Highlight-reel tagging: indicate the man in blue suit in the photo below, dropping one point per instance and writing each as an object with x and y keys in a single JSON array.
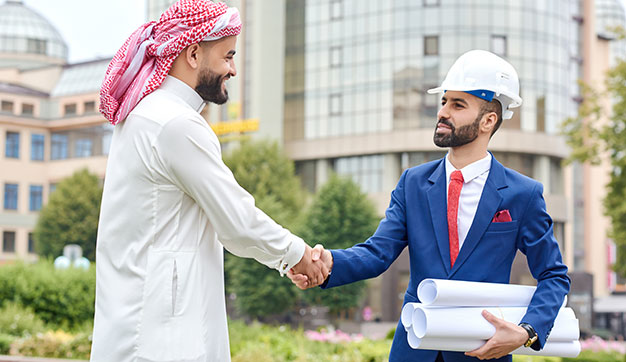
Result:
[{"x": 465, "y": 216}]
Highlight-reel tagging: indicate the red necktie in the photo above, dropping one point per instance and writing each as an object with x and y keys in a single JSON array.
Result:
[{"x": 454, "y": 191}]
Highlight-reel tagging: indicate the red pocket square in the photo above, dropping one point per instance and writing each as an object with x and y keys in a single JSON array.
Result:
[{"x": 502, "y": 216}]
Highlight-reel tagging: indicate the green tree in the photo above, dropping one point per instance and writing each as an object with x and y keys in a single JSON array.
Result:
[
  {"x": 590, "y": 138},
  {"x": 71, "y": 216},
  {"x": 340, "y": 216},
  {"x": 265, "y": 171}
]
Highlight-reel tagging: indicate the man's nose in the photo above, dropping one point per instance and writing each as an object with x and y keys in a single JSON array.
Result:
[
  {"x": 233, "y": 69},
  {"x": 443, "y": 112}
]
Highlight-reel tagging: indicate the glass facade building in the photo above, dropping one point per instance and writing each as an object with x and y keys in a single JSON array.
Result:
[{"x": 356, "y": 67}]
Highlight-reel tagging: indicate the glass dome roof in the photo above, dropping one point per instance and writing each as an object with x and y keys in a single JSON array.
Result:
[{"x": 24, "y": 31}]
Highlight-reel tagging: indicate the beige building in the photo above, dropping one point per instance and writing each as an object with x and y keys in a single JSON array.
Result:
[{"x": 49, "y": 122}]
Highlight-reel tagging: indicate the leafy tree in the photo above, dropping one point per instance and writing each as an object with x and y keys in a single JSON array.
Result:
[
  {"x": 590, "y": 139},
  {"x": 265, "y": 171},
  {"x": 340, "y": 216},
  {"x": 71, "y": 216}
]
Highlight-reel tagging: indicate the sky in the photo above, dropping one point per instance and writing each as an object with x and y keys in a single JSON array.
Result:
[
  {"x": 92, "y": 28},
  {"x": 95, "y": 28}
]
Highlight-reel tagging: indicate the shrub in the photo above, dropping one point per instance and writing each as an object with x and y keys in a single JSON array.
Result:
[
  {"x": 61, "y": 298},
  {"x": 56, "y": 344},
  {"x": 258, "y": 342},
  {"x": 18, "y": 321},
  {"x": 5, "y": 343}
]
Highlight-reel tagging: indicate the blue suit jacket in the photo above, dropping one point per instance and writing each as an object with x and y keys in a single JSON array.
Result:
[{"x": 417, "y": 218}]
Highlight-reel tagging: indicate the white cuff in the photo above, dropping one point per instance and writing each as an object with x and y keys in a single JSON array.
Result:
[{"x": 293, "y": 256}]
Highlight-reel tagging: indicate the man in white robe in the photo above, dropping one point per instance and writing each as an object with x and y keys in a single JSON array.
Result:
[{"x": 170, "y": 205}]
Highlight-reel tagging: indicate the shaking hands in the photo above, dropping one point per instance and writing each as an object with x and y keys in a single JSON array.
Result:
[{"x": 313, "y": 269}]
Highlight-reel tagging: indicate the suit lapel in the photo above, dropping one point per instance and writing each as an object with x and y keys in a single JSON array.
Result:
[
  {"x": 438, "y": 211},
  {"x": 490, "y": 201}
]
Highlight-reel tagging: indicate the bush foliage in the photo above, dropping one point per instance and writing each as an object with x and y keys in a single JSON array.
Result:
[{"x": 60, "y": 298}]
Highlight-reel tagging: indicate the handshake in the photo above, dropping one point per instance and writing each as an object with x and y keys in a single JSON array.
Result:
[{"x": 313, "y": 269}]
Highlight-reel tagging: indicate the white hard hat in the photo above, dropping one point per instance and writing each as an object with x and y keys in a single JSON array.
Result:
[{"x": 483, "y": 70}]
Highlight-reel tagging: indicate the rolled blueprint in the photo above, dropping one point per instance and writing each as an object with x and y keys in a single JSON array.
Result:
[
  {"x": 406, "y": 317},
  {"x": 468, "y": 322},
  {"x": 556, "y": 349},
  {"x": 459, "y": 293}
]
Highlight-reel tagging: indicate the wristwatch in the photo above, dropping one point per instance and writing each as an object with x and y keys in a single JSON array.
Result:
[{"x": 532, "y": 335}]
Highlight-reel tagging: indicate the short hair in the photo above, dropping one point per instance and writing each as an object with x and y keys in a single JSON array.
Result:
[{"x": 493, "y": 106}]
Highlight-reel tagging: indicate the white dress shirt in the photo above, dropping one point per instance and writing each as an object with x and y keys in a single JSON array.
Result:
[
  {"x": 474, "y": 178},
  {"x": 169, "y": 207}
]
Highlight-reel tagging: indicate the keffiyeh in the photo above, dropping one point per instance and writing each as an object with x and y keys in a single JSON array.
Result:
[{"x": 143, "y": 62}]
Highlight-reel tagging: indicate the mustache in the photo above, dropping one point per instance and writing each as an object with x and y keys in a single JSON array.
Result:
[{"x": 445, "y": 122}]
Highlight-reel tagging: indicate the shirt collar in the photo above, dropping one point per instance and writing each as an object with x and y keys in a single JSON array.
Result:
[
  {"x": 470, "y": 171},
  {"x": 183, "y": 91}
]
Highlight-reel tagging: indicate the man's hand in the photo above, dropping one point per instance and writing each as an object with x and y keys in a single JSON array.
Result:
[
  {"x": 508, "y": 337},
  {"x": 318, "y": 256},
  {"x": 310, "y": 267}
]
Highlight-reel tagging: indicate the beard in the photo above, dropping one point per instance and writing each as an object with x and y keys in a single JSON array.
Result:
[
  {"x": 457, "y": 137},
  {"x": 210, "y": 87}
]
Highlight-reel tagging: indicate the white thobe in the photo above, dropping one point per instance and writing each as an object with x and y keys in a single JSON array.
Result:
[{"x": 169, "y": 207}]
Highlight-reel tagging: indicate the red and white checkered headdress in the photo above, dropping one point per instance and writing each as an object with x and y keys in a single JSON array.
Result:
[{"x": 143, "y": 62}]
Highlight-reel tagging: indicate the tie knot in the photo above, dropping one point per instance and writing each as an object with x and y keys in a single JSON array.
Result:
[{"x": 456, "y": 176}]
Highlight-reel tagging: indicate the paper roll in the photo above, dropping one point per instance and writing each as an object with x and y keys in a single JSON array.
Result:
[
  {"x": 469, "y": 294},
  {"x": 555, "y": 349},
  {"x": 468, "y": 322},
  {"x": 460, "y": 293},
  {"x": 406, "y": 317}
]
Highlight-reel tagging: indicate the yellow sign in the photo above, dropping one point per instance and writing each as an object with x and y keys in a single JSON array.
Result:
[{"x": 246, "y": 125}]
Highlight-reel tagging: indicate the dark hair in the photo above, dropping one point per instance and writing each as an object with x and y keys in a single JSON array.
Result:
[{"x": 493, "y": 106}]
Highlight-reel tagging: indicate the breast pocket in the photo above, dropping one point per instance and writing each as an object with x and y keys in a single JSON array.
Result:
[
  {"x": 502, "y": 227},
  {"x": 499, "y": 238}
]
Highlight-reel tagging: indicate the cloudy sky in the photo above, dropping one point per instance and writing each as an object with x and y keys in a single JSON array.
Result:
[{"x": 92, "y": 28}]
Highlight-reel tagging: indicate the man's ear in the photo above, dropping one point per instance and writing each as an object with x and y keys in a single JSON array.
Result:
[
  {"x": 489, "y": 122},
  {"x": 192, "y": 55}
]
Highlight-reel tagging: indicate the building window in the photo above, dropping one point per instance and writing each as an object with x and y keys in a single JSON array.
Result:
[
  {"x": 10, "y": 196},
  {"x": 36, "y": 46},
  {"x": 557, "y": 185},
  {"x": 31, "y": 243},
  {"x": 83, "y": 147},
  {"x": 58, "y": 147},
  {"x": 335, "y": 57},
  {"x": 13, "y": 145},
  {"x": 430, "y": 100},
  {"x": 431, "y": 2},
  {"x": 90, "y": 107},
  {"x": 6, "y": 106},
  {"x": 498, "y": 45},
  {"x": 8, "y": 242},
  {"x": 366, "y": 171},
  {"x": 559, "y": 234},
  {"x": 28, "y": 109},
  {"x": 541, "y": 114},
  {"x": 431, "y": 45},
  {"x": 37, "y": 147},
  {"x": 335, "y": 104},
  {"x": 336, "y": 9},
  {"x": 69, "y": 109},
  {"x": 36, "y": 195}
]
